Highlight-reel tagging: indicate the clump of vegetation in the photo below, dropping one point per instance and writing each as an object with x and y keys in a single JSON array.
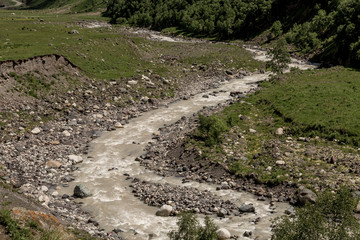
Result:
[
  {"x": 275, "y": 30},
  {"x": 280, "y": 57},
  {"x": 190, "y": 229},
  {"x": 202, "y": 17},
  {"x": 211, "y": 129},
  {"x": 331, "y": 217},
  {"x": 13, "y": 227}
]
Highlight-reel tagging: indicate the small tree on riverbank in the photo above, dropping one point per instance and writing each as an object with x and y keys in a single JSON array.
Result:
[
  {"x": 331, "y": 218},
  {"x": 280, "y": 57},
  {"x": 190, "y": 229}
]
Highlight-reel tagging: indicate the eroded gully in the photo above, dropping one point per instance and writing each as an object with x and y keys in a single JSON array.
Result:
[{"x": 113, "y": 204}]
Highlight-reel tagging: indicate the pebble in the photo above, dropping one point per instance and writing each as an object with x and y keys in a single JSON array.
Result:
[{"x": 36, "y": 131}]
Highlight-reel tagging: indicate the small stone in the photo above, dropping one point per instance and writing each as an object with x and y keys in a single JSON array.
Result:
[
  {"x": 76, "y": 159},
  {"x": 81, "y": 191},
  {"x": 36, "y": 131},
  {"x": 358, "y": 207},
  {"x": 73, "y": 32},
  {"x": 55, "y": 193},
  {"x": 223, "y": 234},
  {"x": 280, "y": 162},
  {"x": 53, "y": 164},
  {"x": 164, "y": 211},
  {"x": 247, "y": 208},
  {"x": 118, "y": 125},
  {"x": 279, "y": 131},
  {"x": 66, "y": 133},
  {"x": 247, "y": 234},
  {"x": 252, "y": 130},
  {"x": 44, "y": 188},
  {"x": 132, "y": 82}
]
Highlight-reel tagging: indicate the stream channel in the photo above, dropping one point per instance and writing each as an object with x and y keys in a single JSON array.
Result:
[{"x": 113, "y": 204}]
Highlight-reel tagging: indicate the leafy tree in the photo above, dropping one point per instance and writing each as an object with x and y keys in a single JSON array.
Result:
[
  {"x": 276, "y": 29},
  {"x": 330, "y": 218},
  {"x": 190, "y": 229},
  {"x": 280, "y": 57}
]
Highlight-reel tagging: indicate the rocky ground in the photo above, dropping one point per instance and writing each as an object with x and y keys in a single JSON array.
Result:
[
  {"x": 170, "y": 156},
  {"x": 304, "y": 162},
  {"x": 50, "y": 111}
]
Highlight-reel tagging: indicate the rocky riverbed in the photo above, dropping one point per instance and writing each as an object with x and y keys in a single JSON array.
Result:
[{"x": 44, "y": 139}]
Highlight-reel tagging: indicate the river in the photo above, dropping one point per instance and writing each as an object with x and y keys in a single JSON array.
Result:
[{"x": 113, "y": 204}]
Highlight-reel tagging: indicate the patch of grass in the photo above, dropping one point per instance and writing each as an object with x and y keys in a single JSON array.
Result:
[
  {"x": 317, "y": 103},
  {"x": 13, "y": 227}
]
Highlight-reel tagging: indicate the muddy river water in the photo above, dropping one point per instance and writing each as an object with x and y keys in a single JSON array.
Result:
[{"x": 113, "y": 204}]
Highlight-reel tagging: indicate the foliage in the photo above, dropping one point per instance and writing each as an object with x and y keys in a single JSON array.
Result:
[
  {"x": 190, "y": 229},
  {"x": 276, "y": 29},
  {"x": 331, "y": 218},
  {"x": 280, "y": 57},
  {"x": 13, "y": 227},
  {"x": 224, "y": 18},
  {"x": 211, "y": 129}
]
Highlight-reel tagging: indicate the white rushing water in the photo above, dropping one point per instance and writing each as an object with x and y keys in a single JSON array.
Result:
[{"x": 113, "y": 204}]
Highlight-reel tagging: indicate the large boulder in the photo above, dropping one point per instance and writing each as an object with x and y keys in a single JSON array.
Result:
[
  {"x": 223, "y": 234},
  {"x": 164, "y": 211},
  {"x": 81, "y": 191}
]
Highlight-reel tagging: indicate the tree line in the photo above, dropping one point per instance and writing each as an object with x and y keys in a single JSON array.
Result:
[{"x": 330, "y": 28}]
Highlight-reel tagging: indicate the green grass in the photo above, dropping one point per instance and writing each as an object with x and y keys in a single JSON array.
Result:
[
  {"x": 104, "y": 53},
  {"x": 317, "y": 102},
  {"x": 312, "y": 103}
]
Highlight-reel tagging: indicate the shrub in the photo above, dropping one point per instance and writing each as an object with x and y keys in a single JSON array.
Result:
[
  {"x": 330, "y": 218},
  {"x": 190, "y": 229},
  {"x": 211, "y": 128}
]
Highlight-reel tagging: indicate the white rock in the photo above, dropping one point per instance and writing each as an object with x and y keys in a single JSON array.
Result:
[
  {"x": 76, "y": 159},
  {"x": 55, "y": 193},
  {"x": 44, "y": 188},
  {"x": 118, "y": 125},
  {"x": 145, "y": 99},
  {"x": 132, "y": 82},
  {"x": 280, "y": 162},
  {"x": 223, "y": 234},
  {"x": 252, "y": 130},
  {"x": 145, "y": 78},
  {"x": 279, "y": 131},
  {"x": 36, "y": 131},
  {"x": 164, "y": 211},
  {"x": 43, "y": 198},
  {"x": 66, "y": 133}
]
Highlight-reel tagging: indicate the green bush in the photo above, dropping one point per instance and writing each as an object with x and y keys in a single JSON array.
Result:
[
  {"x": 330, "y": 218},
  {"x": 190, "y": 229},
  {"x": 211, "y": 129}
]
